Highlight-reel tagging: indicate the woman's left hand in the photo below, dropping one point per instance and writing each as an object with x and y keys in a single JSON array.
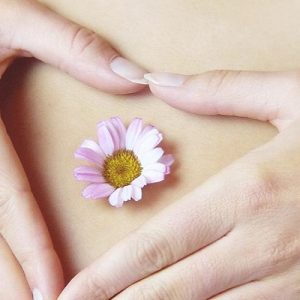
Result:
[
  {"x": 235, "y": 237},
  {"x": 29, "y": 265}
]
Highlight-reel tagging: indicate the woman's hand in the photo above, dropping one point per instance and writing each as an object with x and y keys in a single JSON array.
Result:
[
  {"x": 235, "y": 237},
  {"x": 28, "y": 261}
]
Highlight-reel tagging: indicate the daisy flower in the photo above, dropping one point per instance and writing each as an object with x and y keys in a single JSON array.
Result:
[{"x": 125, "y": 160}]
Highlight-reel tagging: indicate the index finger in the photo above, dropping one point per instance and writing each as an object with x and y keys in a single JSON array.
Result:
[
  {"x": 39, "y": 32},
  {"x": 191, "y": 224},
  {"x": 23, "y": 227},
  {"x": 13, "y": 284}
]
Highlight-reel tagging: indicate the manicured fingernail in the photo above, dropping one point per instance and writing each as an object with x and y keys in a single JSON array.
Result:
[
  {"x": 36, "y": 295},
  {"x": 128, "y": 70},
  {"x": 166, "y": 79}
]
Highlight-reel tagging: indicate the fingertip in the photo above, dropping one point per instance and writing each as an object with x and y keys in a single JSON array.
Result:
[
  {"x": 107, "y": 75},
  {"x": 76, "y": 50},
  {"x": 113, "y": 84},
  {"x": 164, "y": 79},
  {"x": 112, "y": 74},
  {"x": 44, "y": 275},
  {"x": 36, "y": 294},
  {"x": 167, "y": 86},
  {"x": 128, "y": 70},
  {"x": 173, "y": 96},
  {"x": 126, "y": 77}
]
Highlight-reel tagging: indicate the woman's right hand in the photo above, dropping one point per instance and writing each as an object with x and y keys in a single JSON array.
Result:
[
  {"x": 28, "y": 261},
  {"x": 237, "y": 235}
]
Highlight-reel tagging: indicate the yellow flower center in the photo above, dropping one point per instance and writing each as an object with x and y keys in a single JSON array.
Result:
[{"x": 121, "y": 168}]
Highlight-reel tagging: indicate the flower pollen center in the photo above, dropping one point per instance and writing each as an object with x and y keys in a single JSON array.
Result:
[{"x": 121, "y": 168}]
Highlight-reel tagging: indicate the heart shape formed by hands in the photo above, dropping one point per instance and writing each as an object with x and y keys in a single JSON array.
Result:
[{"x": 236, "y": 236}]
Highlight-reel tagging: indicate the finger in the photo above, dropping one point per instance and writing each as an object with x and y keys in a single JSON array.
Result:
[
  {"x": 23, "y": 227},
  {"x": 256, "y": 290},
  {"x": 70, "y": 47},
  {"x": 13, "y": 283},
  {"x": 275, "y": 288},
  {"x": 185, "y": 227},
  {"x": 216, "y": 268},
  {"x": 199, "y": 276},
  {"x": 223, "y": 265},
  {"x": 266, "y": 96}
]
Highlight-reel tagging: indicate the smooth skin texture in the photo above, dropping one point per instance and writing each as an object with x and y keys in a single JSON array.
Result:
[
  {"x": 28, "y": 260},
  {"x": 237, "y": 235},
  {"x": 50, "y": 113}
]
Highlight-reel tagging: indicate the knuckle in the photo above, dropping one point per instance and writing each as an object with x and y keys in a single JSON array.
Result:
[
  {"x": 209, "y": 267},
  {"x": 97, "y": 287},
  {"x": 82, "y": 45},
  {"x": 9, "y": 201},
  {"x": 27, "y": 257},
  {"x": 83, "y": 39},
  {"x": 217, "y": 80},
  {"x": 260, "y": 187},
  {"x": 152, "y": 252},
  {"x": 283, "y": 250},
  {"x": 151, "y": 291},
  {"x": 277, "y": 248},
  {"x": 6, "y": 206},
  {"x": 276, "y": 255}
]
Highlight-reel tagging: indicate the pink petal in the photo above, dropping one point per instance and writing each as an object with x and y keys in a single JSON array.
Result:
[
  {"x": 153, "y": 176},
  {"x": 151, "y": 156},
  {"x": 148, "y": 130},
  {"x": 89, "y": 155},
  {"x": 88, "y": 174},
  {"x": 115, "y": 198},
  {"x": 97, "y": 190},
  {"x": 147, "y": 144},
  {"x": 105, "y": 140},
  {"x": 139, "y": 181},
  {"x": 167, "y": 159},
  {"x": 88, "y": 170},
  {"x": 136, "y": 193},
  {"x": 117, "y": 130},
  {"x": 158, "y": 167},
  {"x": 126, "y": 193},
  {"x": 121, "y": 129},
  {"x": 92, "y": 145},
  {"x": 133, "y": 132},
  {"x": 113, "y": 132}
]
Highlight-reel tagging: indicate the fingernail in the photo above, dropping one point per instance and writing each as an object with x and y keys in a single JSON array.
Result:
[
  {"x": 36, "y": 295},
  {"x": 166, "y": 79},
  {"x": 128, "y": 70}
]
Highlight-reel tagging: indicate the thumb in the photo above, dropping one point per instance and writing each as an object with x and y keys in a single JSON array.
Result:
[
  {"x": 37, "y": 31},
  {"x": 265, "y": 96}
]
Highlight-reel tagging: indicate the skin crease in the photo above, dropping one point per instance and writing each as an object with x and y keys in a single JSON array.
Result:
[{"x": 228, "y": 139}]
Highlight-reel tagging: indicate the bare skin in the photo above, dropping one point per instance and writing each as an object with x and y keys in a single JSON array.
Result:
[
  {"x": 29, "y": 262},
  {"x": 221, "y": 142}
]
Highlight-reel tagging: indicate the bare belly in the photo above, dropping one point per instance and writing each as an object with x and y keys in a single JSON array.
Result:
[{"x": 48, "y": 113}]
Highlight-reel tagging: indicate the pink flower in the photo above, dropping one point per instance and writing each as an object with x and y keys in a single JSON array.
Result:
[{"x": 125, "y": 160}]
